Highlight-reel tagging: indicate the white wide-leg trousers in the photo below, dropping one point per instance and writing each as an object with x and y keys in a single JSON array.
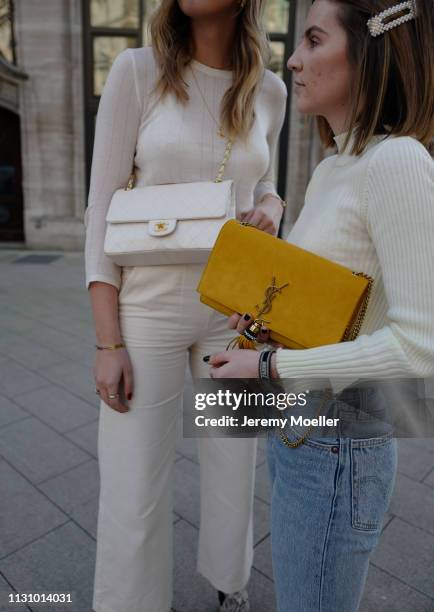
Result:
[{"x": 163, "y": 324}]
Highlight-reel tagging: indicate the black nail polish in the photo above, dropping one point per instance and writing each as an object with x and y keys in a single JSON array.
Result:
[
  {"x": 206, "y": 358},
  {"x": 247, "y": 317}
]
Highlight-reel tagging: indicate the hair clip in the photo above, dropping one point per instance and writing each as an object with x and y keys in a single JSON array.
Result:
[{"x": 377, "y": 25}]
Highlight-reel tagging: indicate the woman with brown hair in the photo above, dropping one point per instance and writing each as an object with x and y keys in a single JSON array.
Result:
[
  {"x": 365, "y": 68},
  {"x": 171, "y": 108}
]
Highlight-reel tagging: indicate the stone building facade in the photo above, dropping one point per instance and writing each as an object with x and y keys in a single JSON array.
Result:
[{"x": 54, "y": 56}]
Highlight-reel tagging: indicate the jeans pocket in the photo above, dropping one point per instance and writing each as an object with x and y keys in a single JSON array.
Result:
[{"x": 373, "y": 468}]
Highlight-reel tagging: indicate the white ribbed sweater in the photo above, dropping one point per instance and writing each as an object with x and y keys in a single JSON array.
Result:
[
  {"x": 375, "y": 214},
  {"x": 172, "y": 143}
]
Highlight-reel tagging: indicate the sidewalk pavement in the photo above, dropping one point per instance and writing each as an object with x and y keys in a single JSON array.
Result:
[{"x": 49, "y": 472}]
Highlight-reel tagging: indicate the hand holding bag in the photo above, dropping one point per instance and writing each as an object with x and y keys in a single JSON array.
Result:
[
  {"x": 168, "y": 224},
  {"x": 305, "y": 300}
]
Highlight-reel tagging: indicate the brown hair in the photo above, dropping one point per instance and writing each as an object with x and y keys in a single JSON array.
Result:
[
  {"x": 393, "y": 74},
  {"x": 171, "y": 42}
]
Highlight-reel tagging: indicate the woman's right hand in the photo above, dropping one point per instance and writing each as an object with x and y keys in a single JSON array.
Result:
[{"x": 113, "y": 373}]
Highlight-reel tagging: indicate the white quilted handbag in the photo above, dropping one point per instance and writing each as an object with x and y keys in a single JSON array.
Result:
[{"x": 168, "y": 224}]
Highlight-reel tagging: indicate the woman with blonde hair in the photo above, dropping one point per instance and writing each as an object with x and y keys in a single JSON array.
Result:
[
  {"x": 365, "y": 69},
  {"x": 171, "y": 109}
]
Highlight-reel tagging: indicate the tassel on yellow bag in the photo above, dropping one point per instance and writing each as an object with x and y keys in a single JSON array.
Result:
[{"x": 248, "y": 339}]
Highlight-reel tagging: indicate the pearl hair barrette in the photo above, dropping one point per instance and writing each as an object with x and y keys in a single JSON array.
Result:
[{"x": 377, "y": 25}]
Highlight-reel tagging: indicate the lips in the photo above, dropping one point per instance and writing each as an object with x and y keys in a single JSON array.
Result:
[{"x": 299, "y": 84}]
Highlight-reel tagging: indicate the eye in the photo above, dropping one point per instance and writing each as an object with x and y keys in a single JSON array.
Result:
[{"x": 313, "y": 41}]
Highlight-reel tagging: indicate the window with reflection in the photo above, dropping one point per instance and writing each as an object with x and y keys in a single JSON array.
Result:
[
  {"x": 105, "y": 49},
  {"x": 114, "y": 13},
  {"x": 277, "y": 15},
  {"x": 7, "y": 39},
  {"x": 277, "y": 18},
  {"x": 277, "y": 58}
]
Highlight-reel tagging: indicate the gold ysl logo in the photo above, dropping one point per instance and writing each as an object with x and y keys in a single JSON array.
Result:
[{"x": 270, "y": 294}]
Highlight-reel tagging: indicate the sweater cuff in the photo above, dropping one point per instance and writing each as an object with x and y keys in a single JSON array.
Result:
[{"x": 102, "y": 278}]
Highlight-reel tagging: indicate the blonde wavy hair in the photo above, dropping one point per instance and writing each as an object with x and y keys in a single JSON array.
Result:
[{"x": 172, "y": 44}]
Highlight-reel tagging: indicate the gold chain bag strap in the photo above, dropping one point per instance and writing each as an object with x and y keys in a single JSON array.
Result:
[
  {"x": 328, "y": 395},
  {"x": 219, "y": 178},
  {"x": 169, "y": 224}
]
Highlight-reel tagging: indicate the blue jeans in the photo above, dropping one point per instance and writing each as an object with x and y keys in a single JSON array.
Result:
[{"x": 328, "y": 501}]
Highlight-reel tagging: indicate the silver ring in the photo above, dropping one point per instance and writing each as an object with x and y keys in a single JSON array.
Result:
[{"x": 113, "y": 395}]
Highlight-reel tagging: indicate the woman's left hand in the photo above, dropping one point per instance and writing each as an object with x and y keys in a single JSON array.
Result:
[
  {"x": 266, "y": 215},
  {"x": 234, "y": 364}
]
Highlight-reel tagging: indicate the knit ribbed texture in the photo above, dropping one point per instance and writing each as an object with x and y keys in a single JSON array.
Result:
[
  {"x": 174, "y": 143},
  {"x": 375, "y": 214}
]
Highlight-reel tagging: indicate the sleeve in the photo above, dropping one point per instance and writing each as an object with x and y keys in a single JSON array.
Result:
[
  {"x": 116, "y": 131},
  {"x": 277, "y": 108},
  {"x": 400, "y": 220}
]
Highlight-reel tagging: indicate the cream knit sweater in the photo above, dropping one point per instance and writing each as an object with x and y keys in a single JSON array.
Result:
[
  {"x": 375, "y": 214},
  {"x": 172, "y": 143}
]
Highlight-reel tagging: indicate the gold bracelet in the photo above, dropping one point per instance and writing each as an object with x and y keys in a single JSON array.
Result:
[
  {"x": 110, "y": 347},
  {"x": 282, "y": 202}
]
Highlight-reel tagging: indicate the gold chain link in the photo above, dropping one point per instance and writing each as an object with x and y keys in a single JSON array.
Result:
[
  {"x": 225, "y": 160},
  {"x": 353, "y": 329},
  {"x": 303, "y": 438}
]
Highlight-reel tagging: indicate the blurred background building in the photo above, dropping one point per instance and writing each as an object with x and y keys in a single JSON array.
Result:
[{"x": 54, "y": 59}]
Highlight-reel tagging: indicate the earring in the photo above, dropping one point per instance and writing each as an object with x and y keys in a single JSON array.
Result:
[{"x": 243, "y": 3}]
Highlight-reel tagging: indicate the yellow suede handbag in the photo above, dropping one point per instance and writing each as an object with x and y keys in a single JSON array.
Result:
[{"x": 303, "y": 299}]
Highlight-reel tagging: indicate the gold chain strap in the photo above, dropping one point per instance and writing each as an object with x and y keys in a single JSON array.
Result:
[
  {"x": 225, "y": 160},
  {"x": 218, "y": 179},
  {"x": 303, "y": 438},
  {"x": 353, "y": 329}
]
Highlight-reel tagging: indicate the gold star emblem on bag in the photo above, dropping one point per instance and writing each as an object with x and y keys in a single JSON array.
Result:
[{"x": 160, "y": 227}]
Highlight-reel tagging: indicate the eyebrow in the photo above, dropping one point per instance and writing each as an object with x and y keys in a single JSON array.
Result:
[{"x": 313, "y": 29}]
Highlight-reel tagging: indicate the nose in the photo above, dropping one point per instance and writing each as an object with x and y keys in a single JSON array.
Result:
[{"x": 294, "y": 63}]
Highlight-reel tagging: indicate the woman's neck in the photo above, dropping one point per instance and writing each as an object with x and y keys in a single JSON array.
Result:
[
  {"x": 339, "y": 119},
  {"x": 213, "y": 40}
]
